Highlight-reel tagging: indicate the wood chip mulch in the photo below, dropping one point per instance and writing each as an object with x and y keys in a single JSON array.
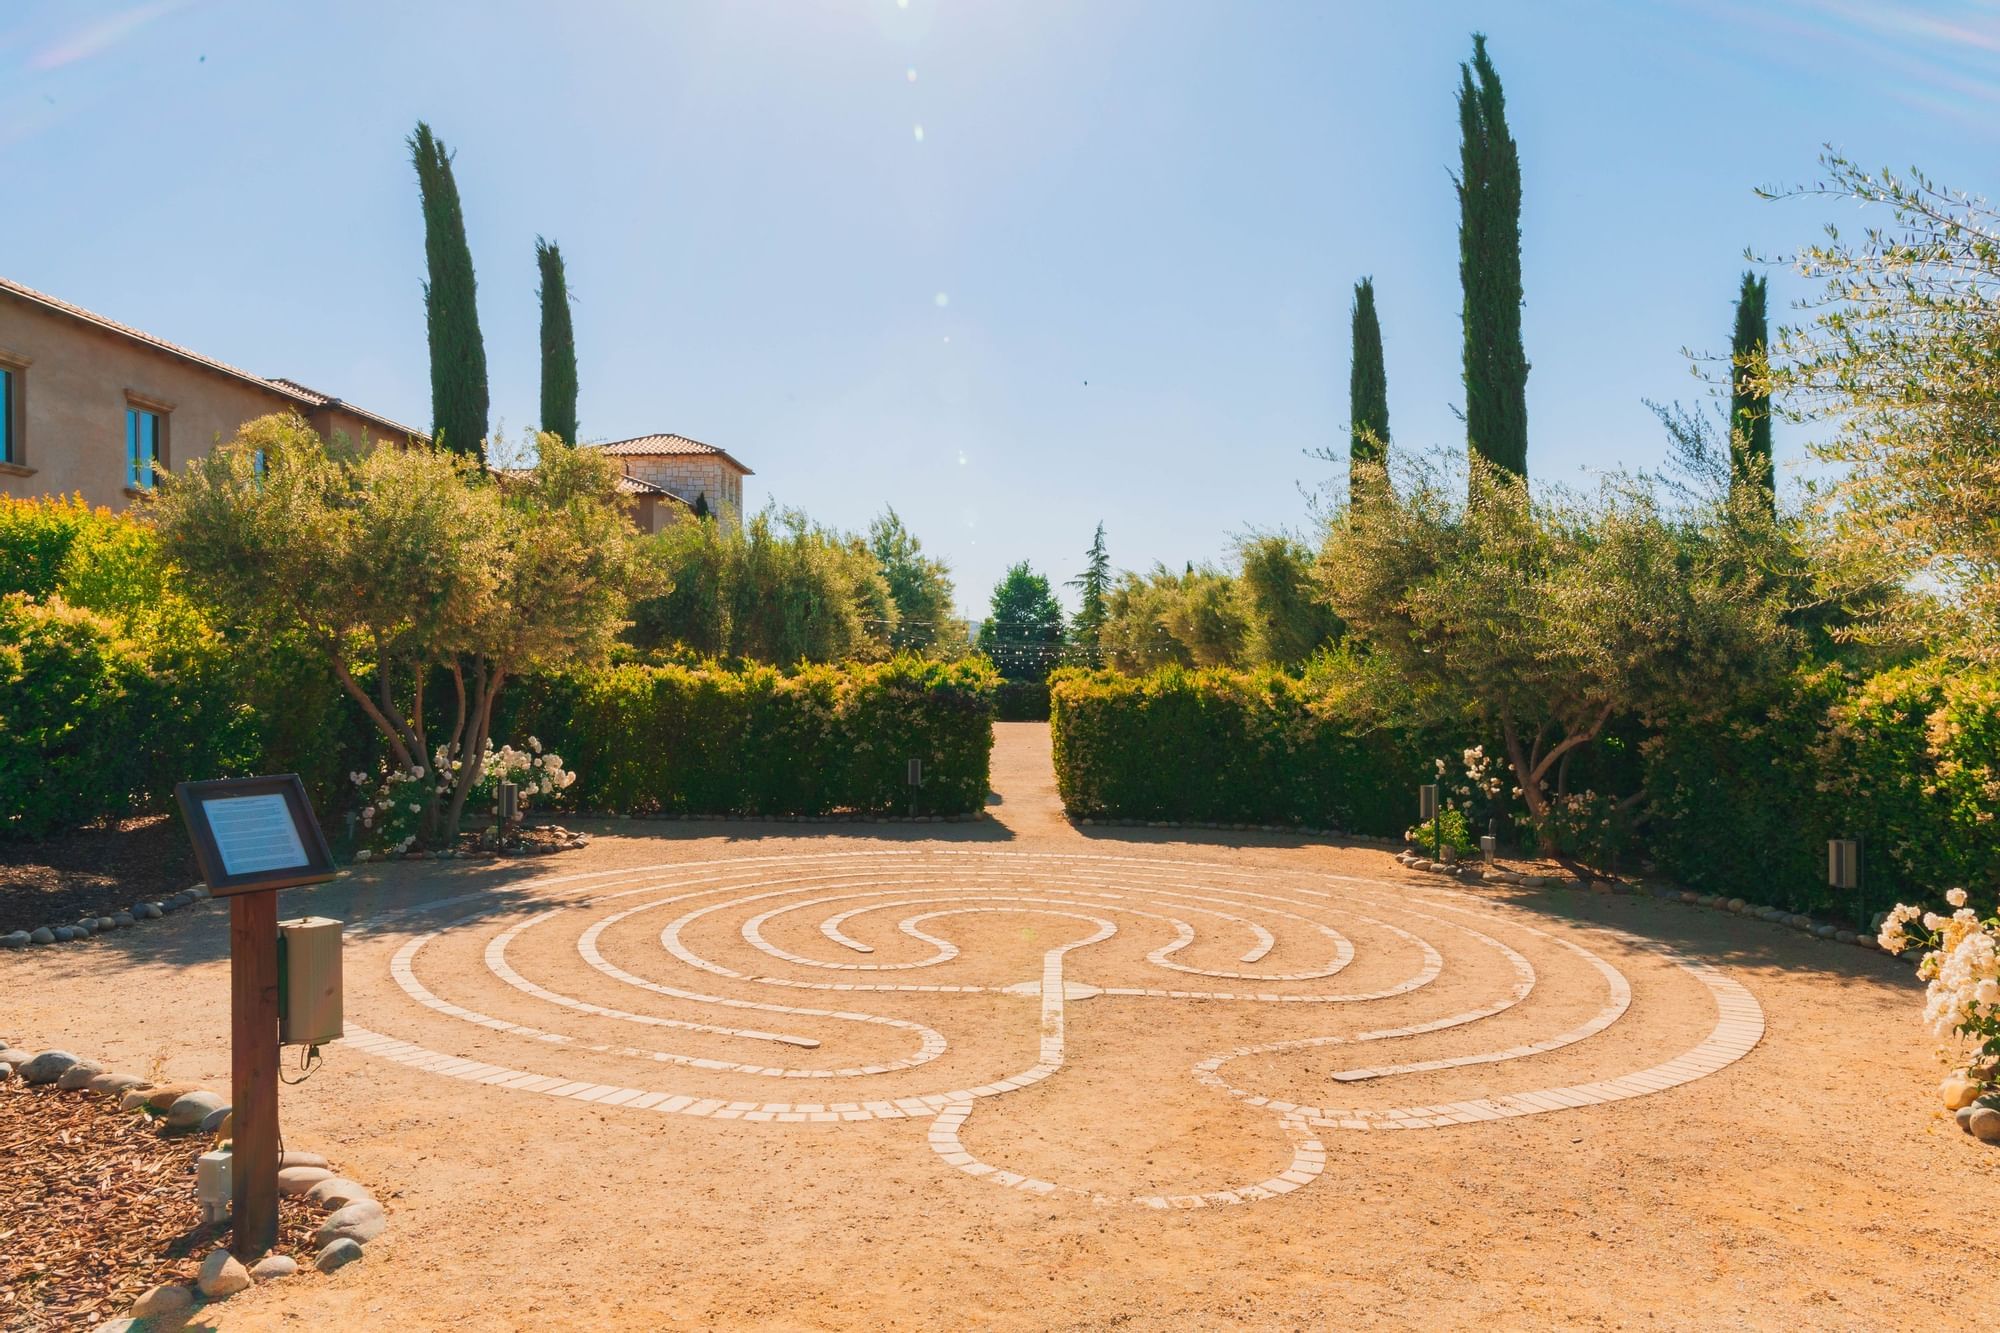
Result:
[
  {"x": 101, "y": 871},
  {"x": 96, "y": 1207}
]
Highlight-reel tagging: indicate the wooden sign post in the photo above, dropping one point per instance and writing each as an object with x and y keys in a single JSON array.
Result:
[{"x": 252, "y": 837}]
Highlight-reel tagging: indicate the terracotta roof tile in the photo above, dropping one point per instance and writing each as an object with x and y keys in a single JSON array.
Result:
[{"x": 667, "y": 445}]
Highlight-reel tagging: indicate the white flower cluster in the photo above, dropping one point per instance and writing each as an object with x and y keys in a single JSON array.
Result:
[
  {"x": 1483, "y": 773},
  {"x": 535, "y": 772},
  {"x": 387, "y": 805},
  {"x": 1961, "y": 962}
]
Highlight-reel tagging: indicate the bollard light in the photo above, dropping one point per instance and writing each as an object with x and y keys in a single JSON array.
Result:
[
  {"x": 1488, "y": 845},
  {"x": 510, "y": 803},
  {"x": 1843, "y": 863},
  {"x": 1427, "y": 801},
  {"x": 916, "y": 778},
  {"x": 212, "y": 1184}
]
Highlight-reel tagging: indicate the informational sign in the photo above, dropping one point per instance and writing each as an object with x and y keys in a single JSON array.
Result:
[{"x": 254, "y": 833}]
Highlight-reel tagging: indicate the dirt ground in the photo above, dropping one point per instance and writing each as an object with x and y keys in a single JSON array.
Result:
[{"x": 1802, "y": 1178}]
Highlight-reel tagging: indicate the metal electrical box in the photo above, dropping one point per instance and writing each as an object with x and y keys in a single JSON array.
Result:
[{"x": 309, "y": 1012}]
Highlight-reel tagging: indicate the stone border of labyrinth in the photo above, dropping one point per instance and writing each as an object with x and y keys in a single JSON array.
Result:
[
  {"x": 1799, "y": 921},
  {"x": 928, "y": 883}
]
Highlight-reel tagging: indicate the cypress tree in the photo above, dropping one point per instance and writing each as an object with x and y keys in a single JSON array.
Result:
[
  {"x": 1489, "y": 269},
  {"x": 558, "y": 345},
  {"x": 1367, "y": 392},
  {"x": 1749, "y": 406},
  {"x": 451, "y": 314}
]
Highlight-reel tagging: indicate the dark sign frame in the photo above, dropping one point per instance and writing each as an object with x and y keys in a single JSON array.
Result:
[{"x": 319, "y": 865}]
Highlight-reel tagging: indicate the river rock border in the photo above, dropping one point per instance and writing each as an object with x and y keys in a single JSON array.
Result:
[
  {"x": 84, "y": 928},
  {"x": 353, "y": 1217}
]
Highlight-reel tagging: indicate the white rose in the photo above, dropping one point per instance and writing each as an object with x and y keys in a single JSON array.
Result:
[{"x": 1956, "y": 897}]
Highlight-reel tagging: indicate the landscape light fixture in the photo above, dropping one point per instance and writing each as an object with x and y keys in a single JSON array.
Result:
[
  {"x": 1843, "y": 869},
  {"x": 1488, "y": 845},
  {"x": 510, "y": 804}
]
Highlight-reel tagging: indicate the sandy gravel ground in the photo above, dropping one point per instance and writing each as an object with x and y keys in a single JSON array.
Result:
[{"x": 1808, "y": 1183}]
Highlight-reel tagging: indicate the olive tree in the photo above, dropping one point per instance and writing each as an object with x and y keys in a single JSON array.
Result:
[
  {"x": 1544, "y": 618},
  {"x": 1901, "y": 351},
  {"x": 408, "y": 564}
]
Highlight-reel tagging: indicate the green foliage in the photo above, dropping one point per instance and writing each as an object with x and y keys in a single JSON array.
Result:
[
  {"x": 451, "y": 314},
  {"x": 1751, "y": 467},
  {"x": 782, "y": 590},
  {"x": 1907, "y": 760},
  {"x": 1489, "y": 270},
  {"x": 65, "y": 675},
  {"x": 1914, "y": 756},
  {"x": 1286, "y": 620},
  {"x": 706, "y": 740},
  {"x": 1086, "y": 631},
  {"x": 1546, "y": 619},
  {"x": 1022, "y": 701},
  {"x": 35, "y": 540},
  {"x": 1023, "y": 630},
  {"x": 1193, "y": 618},
  {"x": 1903, "y": 355},
  {"x": 1226, "y": 746},
  {"x": 1367, "y": 394},
  {"x": 558, "y": 345},
  {"x": 1450, "y": 828},
  {"x": 402, "y": 562},
  {"x": 926, "y": 617},
  {"x": 96, "y": 721}
]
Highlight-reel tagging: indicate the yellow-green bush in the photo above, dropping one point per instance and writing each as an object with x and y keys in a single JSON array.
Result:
[
  {"x": 1907, "y": 760},
  {"x": 1229, "y": 747},
  {"x": 708, "y": 740}
]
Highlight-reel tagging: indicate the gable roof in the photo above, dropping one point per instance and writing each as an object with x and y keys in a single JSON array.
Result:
[
  {"x": 283, "y": 388},
  {"x": 667, "y": 445}
]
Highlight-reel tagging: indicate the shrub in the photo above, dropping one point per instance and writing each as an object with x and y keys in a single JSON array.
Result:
[
  {"x": 1908, "y": 761},
  {"x": 35, "y": 540},
  {"x": 706, "y": 740},
  {"x": 1912, "y": 763},
  {"x": 1224, "y": 746},
  {"x": 1022, "y": 701},
  {"x": 1450, "y": 828},
  {"x": 65, "y": 681}
]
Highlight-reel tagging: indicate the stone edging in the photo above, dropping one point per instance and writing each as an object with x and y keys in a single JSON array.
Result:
[
  {"x": 96, "y": 925},
  {"x": 844, "y": 817},
  {"x": 1799, "y": 921},
  {"x": 353, "y": 1217}
]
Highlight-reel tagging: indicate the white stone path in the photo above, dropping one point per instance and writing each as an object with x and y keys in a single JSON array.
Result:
[{"x": 934, "y": 887}]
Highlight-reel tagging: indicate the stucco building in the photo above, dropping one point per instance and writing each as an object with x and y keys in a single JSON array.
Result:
[
  {"x": 93, "y": 407},
  {"x": 667, "y": 476}
]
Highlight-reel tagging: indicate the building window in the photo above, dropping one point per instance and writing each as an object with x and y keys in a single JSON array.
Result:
[
  {"x": 142, "y": 448},
  {"x": 9, "y": 449},
  {"x": 258, "y": 465}
]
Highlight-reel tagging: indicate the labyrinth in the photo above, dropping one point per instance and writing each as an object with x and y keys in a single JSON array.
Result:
[{"x": 1109, "y": 1029}]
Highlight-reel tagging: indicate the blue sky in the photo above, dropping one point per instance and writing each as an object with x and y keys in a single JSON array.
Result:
[{"x": 1011, "y": 267}]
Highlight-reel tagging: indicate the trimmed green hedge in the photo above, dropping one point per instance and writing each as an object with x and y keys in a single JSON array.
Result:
[
  {"x": 705, "y": 740},
  {"x": 96, "y": 721},
  {"x": 1907, "y": 760},
  {"x": 1022, "y": 701},
  {"x": 1225, "y": 746}
]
